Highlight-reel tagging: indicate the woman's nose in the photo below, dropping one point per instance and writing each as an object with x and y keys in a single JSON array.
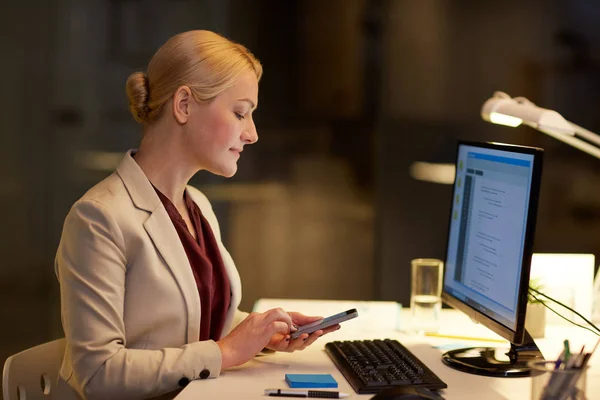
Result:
[{"x": 250, "y": 135}]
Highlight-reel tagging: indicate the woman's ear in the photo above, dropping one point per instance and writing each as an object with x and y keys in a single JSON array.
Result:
[{"x": 181, "y": 104}]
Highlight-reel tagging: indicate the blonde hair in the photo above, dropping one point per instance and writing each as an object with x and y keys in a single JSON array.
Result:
[{"x": 204, "y": 61}]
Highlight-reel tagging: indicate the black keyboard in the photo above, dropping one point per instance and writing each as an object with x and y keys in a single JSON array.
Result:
[{"x": 373, "y": 365}]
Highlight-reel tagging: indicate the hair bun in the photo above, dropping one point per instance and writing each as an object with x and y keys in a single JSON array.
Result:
[{"x": 138, "y": 92}]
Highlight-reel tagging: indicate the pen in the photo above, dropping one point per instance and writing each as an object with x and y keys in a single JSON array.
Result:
[
  {"x": 463, "y": 337},
  {"x": 323, "y": 394},
  {"x": 559, "y": 361},
  {"x": 567, "y": 351},
  {"x": 576, "y": 359}
]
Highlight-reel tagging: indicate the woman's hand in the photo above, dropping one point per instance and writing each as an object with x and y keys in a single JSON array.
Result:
[
  {"x": 252, "y": 335},
  {"x": 281, "y": 342}
]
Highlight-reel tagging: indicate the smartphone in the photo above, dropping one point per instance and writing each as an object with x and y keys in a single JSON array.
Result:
[{"x": 325, "y": 323}]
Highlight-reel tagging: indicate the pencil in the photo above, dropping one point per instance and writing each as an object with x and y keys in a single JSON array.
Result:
[{"x": 439, "y": 335}]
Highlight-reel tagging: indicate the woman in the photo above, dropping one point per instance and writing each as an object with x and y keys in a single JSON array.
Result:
[{"x": 149, "y": 293}]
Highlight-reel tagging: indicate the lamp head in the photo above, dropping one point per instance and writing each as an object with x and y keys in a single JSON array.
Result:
[{"x": 504, "y": 110}]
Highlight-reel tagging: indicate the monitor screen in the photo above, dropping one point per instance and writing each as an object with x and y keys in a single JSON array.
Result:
[{"x": 491, "y": 230}]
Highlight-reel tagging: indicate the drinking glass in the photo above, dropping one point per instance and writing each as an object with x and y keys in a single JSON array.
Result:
[{"x": 425, "y": 295}]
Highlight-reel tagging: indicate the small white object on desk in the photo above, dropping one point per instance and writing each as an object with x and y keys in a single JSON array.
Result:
[{"x": 569, "y": 279}]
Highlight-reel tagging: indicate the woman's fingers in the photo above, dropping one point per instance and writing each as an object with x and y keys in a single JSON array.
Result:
[
  {"x": 278, "y": 314},
  {"x": 301, "y": 319},
  {"x": 331, "y": 329},
  {"x": 304, "y": 341},
  {"x": 253, "y": 334},
  {"x": 297, "y": 344},
  {"x": 282, "y": 323},
  {"x": 279, "y": 327},
  {"x": 311, "y": 339}
]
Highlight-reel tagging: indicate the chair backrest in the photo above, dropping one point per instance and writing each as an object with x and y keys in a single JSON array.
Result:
[{"x": 33, "y": 373}]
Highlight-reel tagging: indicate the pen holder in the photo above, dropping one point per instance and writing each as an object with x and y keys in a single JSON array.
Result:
[{"x": 549, "y": 383}]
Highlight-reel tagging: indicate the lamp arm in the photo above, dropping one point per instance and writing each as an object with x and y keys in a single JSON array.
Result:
[
  {"x": 582, "y": 145},
  {"x": 587, "y": 135}
]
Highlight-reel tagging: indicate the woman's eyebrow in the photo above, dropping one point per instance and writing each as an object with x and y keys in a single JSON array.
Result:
[{"x": 250, "y": 102}]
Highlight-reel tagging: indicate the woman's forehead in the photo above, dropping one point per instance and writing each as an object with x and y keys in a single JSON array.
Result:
[{"x": 245, "y": 87}]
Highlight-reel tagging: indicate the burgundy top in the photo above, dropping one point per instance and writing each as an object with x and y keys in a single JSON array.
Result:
[{"x": 207, "y": 266}]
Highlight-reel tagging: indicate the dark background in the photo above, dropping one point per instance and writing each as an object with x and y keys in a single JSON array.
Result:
[{"x": 354, "y": 92}]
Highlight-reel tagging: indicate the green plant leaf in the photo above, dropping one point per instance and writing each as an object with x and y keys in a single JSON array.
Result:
[{"x": 535, "y": 284}]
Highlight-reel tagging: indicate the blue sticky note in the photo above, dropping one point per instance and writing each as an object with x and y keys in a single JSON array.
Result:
[{"x": 311, "y": 381}]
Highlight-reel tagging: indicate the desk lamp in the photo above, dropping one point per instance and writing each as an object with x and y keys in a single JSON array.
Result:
[{"x": 504, "y": 110}]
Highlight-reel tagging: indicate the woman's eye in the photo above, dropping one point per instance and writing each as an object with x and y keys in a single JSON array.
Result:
[{"x": 239, "y": 116}]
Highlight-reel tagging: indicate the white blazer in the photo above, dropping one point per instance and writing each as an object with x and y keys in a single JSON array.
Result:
[{"x": 129, "y": 302}]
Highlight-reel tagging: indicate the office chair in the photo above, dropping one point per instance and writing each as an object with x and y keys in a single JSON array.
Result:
[{"x": 33, "y": 373}]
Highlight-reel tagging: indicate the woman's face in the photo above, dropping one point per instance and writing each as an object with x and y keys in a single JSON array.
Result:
[{"x": 216, "y": 133}]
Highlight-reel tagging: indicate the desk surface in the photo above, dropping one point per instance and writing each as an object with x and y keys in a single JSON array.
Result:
[{"x": 251, "y": 379}]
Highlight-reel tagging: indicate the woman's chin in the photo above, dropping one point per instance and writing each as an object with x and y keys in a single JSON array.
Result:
[{"x": 226, "y": 172}]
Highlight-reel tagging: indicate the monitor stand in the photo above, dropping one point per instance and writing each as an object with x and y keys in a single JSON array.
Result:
[{"x": 491, "y": 361}]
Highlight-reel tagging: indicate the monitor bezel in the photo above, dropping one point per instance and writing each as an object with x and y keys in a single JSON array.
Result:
[{"x": 514, "y": 336}]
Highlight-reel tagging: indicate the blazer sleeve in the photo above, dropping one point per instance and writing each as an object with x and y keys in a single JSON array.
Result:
[{"x": 91, "y": 267}]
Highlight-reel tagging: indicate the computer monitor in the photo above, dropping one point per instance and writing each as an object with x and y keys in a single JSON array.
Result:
[{"x": 488, "y": 257}]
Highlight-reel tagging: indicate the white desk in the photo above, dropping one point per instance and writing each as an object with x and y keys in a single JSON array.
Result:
[{"x": 249, "y": 380}]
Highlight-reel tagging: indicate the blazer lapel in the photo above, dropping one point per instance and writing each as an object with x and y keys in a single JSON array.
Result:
[{"x": 165, "y": 238}]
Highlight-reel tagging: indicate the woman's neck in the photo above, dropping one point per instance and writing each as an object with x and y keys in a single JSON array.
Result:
[{"x": 161, "y": 160}]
